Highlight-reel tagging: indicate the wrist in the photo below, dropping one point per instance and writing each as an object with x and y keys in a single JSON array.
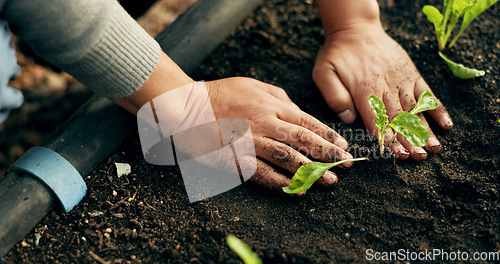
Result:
[
  {"x": 355, "y": 31},
  {"x": 165, "y": 77},
  {"x": 348, "y": 15}
]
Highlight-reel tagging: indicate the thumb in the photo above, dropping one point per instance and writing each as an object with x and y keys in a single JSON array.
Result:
[{"x": 335, "y": 93}]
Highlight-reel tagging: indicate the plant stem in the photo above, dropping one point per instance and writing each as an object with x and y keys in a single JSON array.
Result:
[
  {"x": 381, "y": 135},
  {"x": 392, "y": 139},
  {"x": 446, "y": 13},
  {"x": 449, "y": 29},
  {"x": 381, "y": 144},
  {"x": 344, "y": 161}
]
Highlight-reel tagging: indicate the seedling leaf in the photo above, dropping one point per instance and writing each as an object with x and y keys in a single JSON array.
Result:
[
  {"x": 471, "y": 14},
  {"x": 434, "y": 16},
  {"x": 425, "y": 102},
  {"x": 459, "y": 70},
  {"x": 459, "y": 7},
  {"x": 378, "y": 108},
  {"x": 309, "y": 173},
  {"x": 242, "y": 250},
  {"x": 475, "y": 11},
  {"x": 411, "y": 127}
]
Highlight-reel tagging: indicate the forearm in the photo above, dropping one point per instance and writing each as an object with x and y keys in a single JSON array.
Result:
[
  {"x": 165, "y": 77},
  {"x": 96, "y": 41},
  {"x": 338, "y": 15}
]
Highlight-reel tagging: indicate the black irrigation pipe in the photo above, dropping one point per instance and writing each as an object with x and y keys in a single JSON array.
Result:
[{"x": 99, "y": 127}]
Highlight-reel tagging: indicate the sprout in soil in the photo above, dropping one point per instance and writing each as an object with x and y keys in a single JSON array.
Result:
[
  {"x": 242, "y": 250},
  {"x": 444, "y": 24},
  {"x": 407, "y": 124},
  {"x": 309, "y": 173}
]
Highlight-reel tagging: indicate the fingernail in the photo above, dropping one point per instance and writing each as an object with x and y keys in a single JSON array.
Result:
[
  {"x": 420, "y": 150},
  {"x": 448, "y": 124},
  {"x": 419, "y": 154},
  {"x": 347, "y": 116},
  {"x": 342, "y": 143},
  {"x": 403, "y": 150},
  {"x": 329, "y": 177},
  {"x": 433, "y": 145},
  {"x": 403, "y": 153},
  {"x": 433, "y": 142},
  {"x": 346, "y": 156},
  {"x": 301, "y": 193}
]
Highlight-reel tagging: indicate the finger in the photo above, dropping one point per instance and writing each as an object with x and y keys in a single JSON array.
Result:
[
  {"x": 334, "y": 91},
  {"x": 268, "y": 177},
  {"x": 275, "y": 91},
  {"x": 366, "y": 112},
  {"x": 440, "y": 114},
  {"x": 310, "y": 143},
  {"x": 392, "y": 104},
  {"x": 288, "y": 158},
  {"x": 407, "y": 100},
  {"x": 302, "y": 119},
  {"x": 433, "y": 145},
  {"x": 396, "y": 146}
]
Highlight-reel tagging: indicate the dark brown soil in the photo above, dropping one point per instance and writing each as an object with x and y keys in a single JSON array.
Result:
[{"x": 449, "y": 202}]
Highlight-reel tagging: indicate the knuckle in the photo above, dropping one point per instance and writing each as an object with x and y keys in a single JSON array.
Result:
[
  {"x": 304, "y": 120},
  {"x": 282, "y": 92},
  {"x": 302, "y": 136},
  {"x": 282, "y": 154},
  {"x": 262, "y": 172},
  {"x": 319, "y": 72}
]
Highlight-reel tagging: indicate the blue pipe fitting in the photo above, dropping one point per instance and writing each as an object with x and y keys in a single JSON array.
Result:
[{"x": 56, "y": 172}]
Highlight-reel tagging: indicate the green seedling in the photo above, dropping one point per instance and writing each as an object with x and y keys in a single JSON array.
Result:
[
  {"x": 242, "y": 250},
  {"x": 445, "y": 22},
  {"x": 309, "y": 173},
  {"x": 407, "y": 124}
]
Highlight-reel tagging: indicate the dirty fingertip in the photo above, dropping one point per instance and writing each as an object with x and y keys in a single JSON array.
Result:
[
  {"x": 419, "y": 154},
  {"x": 341, "y": 143},
  {"x": 446, "y": 122},
  {"x": 348, "y": 116},
  {"x": 401, "y": 152},
  {"x": 346, "y": 156},
  {"x": 329, "y": 178},
  {"x": 433, "y": 145}
]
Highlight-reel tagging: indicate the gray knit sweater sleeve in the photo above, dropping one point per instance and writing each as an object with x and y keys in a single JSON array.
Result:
[{"x": 96, "y": 41}]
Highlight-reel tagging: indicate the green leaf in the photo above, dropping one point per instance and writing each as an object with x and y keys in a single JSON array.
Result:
[
  {"x": 475, "y": 11},
  {"x": 471, "y": 14},
  {"x": 242, "y": 250},
  {"x": 459, "y": 7},
  {"x": 434, "y": 16},
  {"x": 459, "y": 70},
  {"x": 309, "y": 173},
  {"x": 411, "y": 127},
  {"x": 378, "y": 108},
  {"x": 425, "y": 102}
]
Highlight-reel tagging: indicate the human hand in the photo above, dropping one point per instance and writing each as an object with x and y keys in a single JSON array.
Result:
[
  {"x": 277, "y": 125},
  {"x": 279, "y": 129},
  {"x": 362, "y": 60}
]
